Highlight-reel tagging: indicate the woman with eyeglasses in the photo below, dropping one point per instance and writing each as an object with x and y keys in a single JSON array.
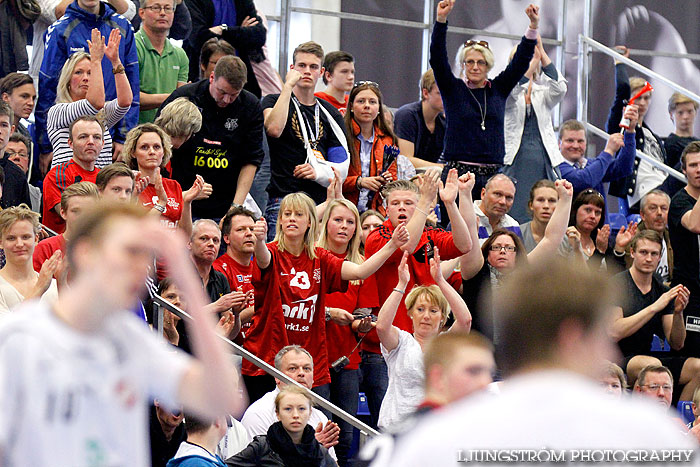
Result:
[
  {"x": 588, "y": 235},
  {"x": 532, "y": 151},
  {"x": 368, "y": 133},
  {"x": 482, "y": 270},
  {"x": 474, "y": 105}
]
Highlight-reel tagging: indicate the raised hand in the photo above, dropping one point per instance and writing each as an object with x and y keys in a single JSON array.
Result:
[
  {"x": 448, "y": 192},
  {"x": 335, "y": 187},
  {"x": 430, "y": 183},
  {"x": 404, "y": 273},
  {"x": 601, "y": 239},
  {"x": 140, "y": 184},
  {"x": 573, "y": 236},
  {"x": 632, "y": 113},
  {"x": 170, "y": 321},
  {"x": 625, "y": 236},
  {"x": 615, "y": 142},
  {"x": 160, "y": 190},
  {"x": 292, "y": 78},
  {"x": 47, "y": 272},
  {"x": 112, "y": 48},
  {"x": 260, "y": 230},
  {"x": 443, "y": 10},
  {"x": 400, "y": 236},
  {"x": 435, "y": 269},
  {"x": 96, "y": 45},
  {"x": 533, "y": 13},
  {"x": 564, "y": 189},
  {"x": 194, "y": 192},
  {"x": 226, "y": 324},
  {"x": 466, "y": 183}
]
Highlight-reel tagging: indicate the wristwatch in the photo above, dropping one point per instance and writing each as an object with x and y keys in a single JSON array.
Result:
[
  {"x": 160, "y": 208},
  {"x": 224, "y": 27},
  {"x": 119, "y": 69}
]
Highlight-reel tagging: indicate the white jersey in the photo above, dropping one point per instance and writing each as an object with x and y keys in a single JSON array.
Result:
[
  {"x": 74, "y": 399},
  {"x": 545, "y": 414}
]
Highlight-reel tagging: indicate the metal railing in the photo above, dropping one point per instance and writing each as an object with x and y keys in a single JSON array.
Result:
[
  {"x": 643, "y": 156},
  {"x": 365, "y": 430},
  {"x": 585, "y": 45}
]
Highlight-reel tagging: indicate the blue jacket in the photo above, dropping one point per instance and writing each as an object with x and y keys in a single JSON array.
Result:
[
  {"x": 70, "y": 34},
  {"x": 601, "y": 169}
]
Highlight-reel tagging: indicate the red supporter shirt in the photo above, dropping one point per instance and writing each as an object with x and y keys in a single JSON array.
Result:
[
  {"x": 418, "y": 264},
  {"x": 340, "y": 340},
  {"x": 238, "y": 276},
  {"x": 173, "y": 209},
  {"x": 57, "y": 180},
  {"x": 290, "y": 300},
  {"x": 45, "y": 248},
  {"x": 341, "y": 106}
]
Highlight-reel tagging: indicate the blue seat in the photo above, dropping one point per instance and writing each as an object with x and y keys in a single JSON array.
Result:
[
  {"x": 685, "y": 409},
  {"x": 657, "y": 345},
  {"x": 634, "y": 218},
  {"x": 623, "y": 206},
  {"x": 616, "y": 221},
  {"x": 362, "y": 406}
]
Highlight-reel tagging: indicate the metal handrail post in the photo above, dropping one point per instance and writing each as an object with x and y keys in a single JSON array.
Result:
[
  {"x": 651, "y": 73},
  {"x": 271, "y": 370}
]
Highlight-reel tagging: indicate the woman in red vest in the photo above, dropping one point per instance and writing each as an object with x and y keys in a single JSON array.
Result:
[{"x": 368, "y": 133}]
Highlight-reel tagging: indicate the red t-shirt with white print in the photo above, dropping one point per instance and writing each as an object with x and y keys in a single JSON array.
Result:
[{"x": 290, "y": 301}]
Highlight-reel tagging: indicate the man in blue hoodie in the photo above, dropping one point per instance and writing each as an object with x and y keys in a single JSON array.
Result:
[{"x": 70, "y": 34}]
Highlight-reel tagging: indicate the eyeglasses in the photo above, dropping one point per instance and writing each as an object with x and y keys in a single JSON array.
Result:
[
  {"x": 13, "y": 153},
  {"x": 366, "y": 83},
  {"x": 508, "y": 248},
  {"x": 159, "y": 8},
  {"x": 656, "y": 387},
  {"x": 471, "y": 62},
  {"x": 471, "y": 43}
]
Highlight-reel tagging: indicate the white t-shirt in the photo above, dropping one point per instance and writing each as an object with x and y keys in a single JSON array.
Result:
[
  {"x": 260, "y": 415},
  {"x": 74, "y": 399},
  {"x": 406, "y": 377},
  {"x": 540, "y": 411}
]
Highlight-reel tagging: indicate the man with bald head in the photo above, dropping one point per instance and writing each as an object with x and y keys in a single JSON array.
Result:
[{"x": 492, "y": 211}]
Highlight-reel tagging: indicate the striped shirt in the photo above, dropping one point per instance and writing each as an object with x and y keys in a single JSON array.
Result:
[{"x": 59, "y": 118}]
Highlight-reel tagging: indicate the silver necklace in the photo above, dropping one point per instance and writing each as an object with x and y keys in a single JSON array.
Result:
[{"x": 482, "y": 111}]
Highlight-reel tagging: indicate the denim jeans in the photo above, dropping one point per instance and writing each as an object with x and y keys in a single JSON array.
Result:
[
  {"x": 324, "y": 391},
  {"x": 271, "y": 212},
  {"x": 345, "y": 386},
  {"x": 375, "y": 380},
  {"x": 262, "y": 179}
]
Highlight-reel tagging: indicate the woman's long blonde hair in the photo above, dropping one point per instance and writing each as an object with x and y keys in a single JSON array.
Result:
[
  {"x": 63, "y": 88},
  {"x": 353, "y": 251},
  {"x": 302, "y": 202}
]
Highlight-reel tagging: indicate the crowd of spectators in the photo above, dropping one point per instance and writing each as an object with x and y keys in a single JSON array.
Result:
[{"x": 377, "y": 237}]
